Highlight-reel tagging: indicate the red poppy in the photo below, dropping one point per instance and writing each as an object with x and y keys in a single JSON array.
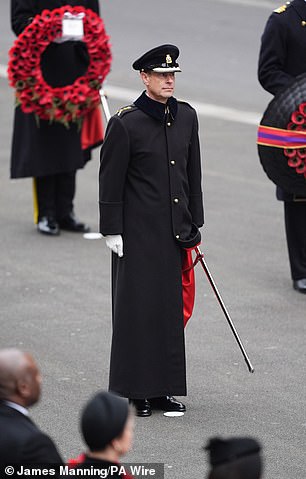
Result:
[
  {"x": 295, "y": 161},
  {"x": 58, "y": 114},
  {"x": 77, "y": 96},
  {"x": 46, "y": 16},
  {"x": 14, "y": 52},
  {"x": 27, "y": 106},
  {"x": 65, "y": 93},
  {"x": 21, "y": 43},
  {"x": 29, "y": 32},
  {"x": 301, "y": 169},
  {"x": 88, "y": 37},
  {"x": 26, "y": 95},
  {"x": 38, "y": 90},
  {"x": 302, "y": 109},
  {"x": 82, "y": 87},
  {"x": 290, "y": 153},
  {"x": 46, "y": 100},
  {"x": 301, "y": 152},
  {"x": 297, "y": 117},
  {"x": 43, "y": 114}
]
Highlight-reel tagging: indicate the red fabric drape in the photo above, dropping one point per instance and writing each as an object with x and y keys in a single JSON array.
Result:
[
  {"x": 92, "y": 133},
  {"x": 188, "y": 283}
]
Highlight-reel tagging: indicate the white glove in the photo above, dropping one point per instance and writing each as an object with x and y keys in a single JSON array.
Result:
[{"x": 115, "y": 243}]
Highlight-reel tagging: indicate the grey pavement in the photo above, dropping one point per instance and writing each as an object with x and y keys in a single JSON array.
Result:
[{"x": 55, "y": 292}]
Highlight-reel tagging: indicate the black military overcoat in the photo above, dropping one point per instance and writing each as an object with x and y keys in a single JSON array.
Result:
[
  {"x": 150, "y": 193},
  {"x": 48, "y": 149},
  {"x": 282, "y": 54}
]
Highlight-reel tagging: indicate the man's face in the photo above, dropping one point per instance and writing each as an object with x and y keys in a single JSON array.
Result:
[{"x": 160, "y": 86}]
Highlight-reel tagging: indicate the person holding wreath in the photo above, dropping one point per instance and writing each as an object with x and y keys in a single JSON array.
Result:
[
  {"x": 48, "y": 143},
  {"x": 281, "y": 61}
]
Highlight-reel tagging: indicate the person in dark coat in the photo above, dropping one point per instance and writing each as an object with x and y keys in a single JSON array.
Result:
[
  {"x": 51, "y": 153},
  {"x": 234, "y": 458},
  {"x": 107, "y": 426},
  {"x": 150, "y": 210},
  {"x": 21, "y": 441},
  {"x": 282, "y": 58}
]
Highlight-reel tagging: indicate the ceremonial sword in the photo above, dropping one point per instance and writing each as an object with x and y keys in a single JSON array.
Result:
[{"x": 200, "y": 258}]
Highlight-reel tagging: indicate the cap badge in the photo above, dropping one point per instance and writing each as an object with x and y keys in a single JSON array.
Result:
[{"x": 168, "y": 59}]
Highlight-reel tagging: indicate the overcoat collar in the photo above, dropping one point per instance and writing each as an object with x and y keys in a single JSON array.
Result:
[
  {"x": 300, "y": 7},
  {"x": 12, "y": 412},
  {"x": 155, "y": 109}
]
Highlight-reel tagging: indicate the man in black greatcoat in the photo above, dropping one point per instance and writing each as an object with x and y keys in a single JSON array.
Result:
[
  {"x": 282, "y": 58},
  {"x": 150, "y": 210},
  {"x": 21, "y": 441},
  {"x": 51, "y": 153}
]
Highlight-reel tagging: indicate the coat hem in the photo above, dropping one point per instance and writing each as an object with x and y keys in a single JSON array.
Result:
[{"x": 155, "y": 394}]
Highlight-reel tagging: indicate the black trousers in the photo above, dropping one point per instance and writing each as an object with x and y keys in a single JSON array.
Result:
[
  {"x": 55, "y": 194},
  {"x": 295, "y": 223}
]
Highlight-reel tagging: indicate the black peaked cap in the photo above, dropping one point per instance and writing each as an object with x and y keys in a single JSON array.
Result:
[{"x": 162, "y": 58}]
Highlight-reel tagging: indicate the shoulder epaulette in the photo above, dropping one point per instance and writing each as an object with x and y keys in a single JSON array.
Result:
[
  {"x": 283, "y": 8},
  {"x": 185, "y": 103},
  {"x": 125, "y": 109},
  {"x": 182, "y": 101}
]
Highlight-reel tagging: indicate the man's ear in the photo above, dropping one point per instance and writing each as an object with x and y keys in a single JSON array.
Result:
[
  {"x": 22, "y": 388},
  {"x": 145, "y": 78},
  {"x": 116, "y": 445}
]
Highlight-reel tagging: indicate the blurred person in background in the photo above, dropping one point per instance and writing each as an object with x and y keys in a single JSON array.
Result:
[
  {"x": 234, "y": 458},
  {"x": 52, "y": 152},
  {"x": 21, "y": 441},
  {"x": 107, "y": 426},
  {"x": 281, "y": 59}
]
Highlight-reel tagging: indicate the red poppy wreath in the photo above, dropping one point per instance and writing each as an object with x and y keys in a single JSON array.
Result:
[{"x": 34, "y": 95}]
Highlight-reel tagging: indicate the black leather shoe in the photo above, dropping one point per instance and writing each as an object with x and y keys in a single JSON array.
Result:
[
  {"x": 142, "y": 406},
  {"x": 71, "y": 223},
  {"x": 48, "y": 226},
  {"x": 167, "y": 403},
  {"x": 300, "y": 285}
]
